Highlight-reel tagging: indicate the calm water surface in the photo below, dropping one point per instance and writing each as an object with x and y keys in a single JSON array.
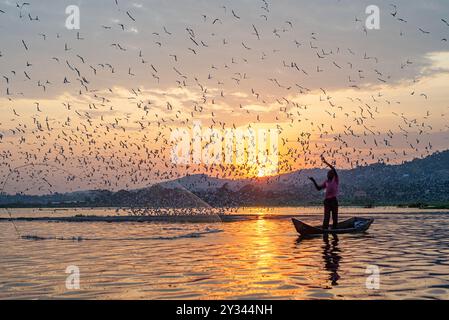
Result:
[{"x": 260, "y": 258}]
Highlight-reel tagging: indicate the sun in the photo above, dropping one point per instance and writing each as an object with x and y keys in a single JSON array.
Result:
[{"x": 266, "y": 171}]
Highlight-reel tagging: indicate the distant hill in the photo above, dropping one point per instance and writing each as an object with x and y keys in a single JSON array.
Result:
[
  {"x": 420, "y": 181},
  {"x": 164, "y": 195}
]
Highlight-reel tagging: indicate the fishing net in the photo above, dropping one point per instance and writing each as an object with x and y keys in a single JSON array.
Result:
[{"x": 168, "y": 202}]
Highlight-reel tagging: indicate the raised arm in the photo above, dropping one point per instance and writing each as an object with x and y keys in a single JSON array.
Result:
[{"x": 330, "y": 166}]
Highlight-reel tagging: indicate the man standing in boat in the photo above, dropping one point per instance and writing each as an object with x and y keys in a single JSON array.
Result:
[{"x": 330, "y": 201}]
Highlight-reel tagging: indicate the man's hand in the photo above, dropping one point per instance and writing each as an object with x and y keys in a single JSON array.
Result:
[
  {"x": 323, "y": 159},
  {"x": 319, "y": 188},
  {"x": 330, "y": 166},
  {"x": 327, "y": 163}
]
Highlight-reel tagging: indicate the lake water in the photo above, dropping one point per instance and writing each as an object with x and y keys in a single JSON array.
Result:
[{"x": 257, "y": 258}]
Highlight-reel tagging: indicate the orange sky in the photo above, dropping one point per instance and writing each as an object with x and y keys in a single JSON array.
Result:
[{"x": 327, "y": 88}]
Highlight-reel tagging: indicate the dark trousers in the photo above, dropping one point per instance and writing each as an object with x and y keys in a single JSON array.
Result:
[{"x": 330, "y": 206}]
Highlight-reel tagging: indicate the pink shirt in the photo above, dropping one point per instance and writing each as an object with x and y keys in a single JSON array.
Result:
[{"x": 331, "y": 188}]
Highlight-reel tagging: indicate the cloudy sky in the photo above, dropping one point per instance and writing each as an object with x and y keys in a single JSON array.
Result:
[{"x": 102, "y": 101}]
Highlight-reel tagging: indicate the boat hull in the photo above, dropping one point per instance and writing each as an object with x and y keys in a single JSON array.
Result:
[{"x": 353, "y": 225}]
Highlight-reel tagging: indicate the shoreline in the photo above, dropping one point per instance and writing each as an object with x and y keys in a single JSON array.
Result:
[
  {"x": 421, "y": 206},
  {"x": 184, "y": 219}
]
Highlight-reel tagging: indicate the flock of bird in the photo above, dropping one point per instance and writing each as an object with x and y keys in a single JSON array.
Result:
[{"x": 73, "y": 119}]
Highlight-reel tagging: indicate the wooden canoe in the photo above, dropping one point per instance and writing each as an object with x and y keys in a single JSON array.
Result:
[{"x": 353, "y": 225}]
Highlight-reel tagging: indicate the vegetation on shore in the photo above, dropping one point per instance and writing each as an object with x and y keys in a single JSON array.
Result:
[{"x": 424, "y": 206}]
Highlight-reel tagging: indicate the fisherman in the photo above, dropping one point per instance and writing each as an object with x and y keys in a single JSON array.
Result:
[{"x": 330, "y": 200}]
